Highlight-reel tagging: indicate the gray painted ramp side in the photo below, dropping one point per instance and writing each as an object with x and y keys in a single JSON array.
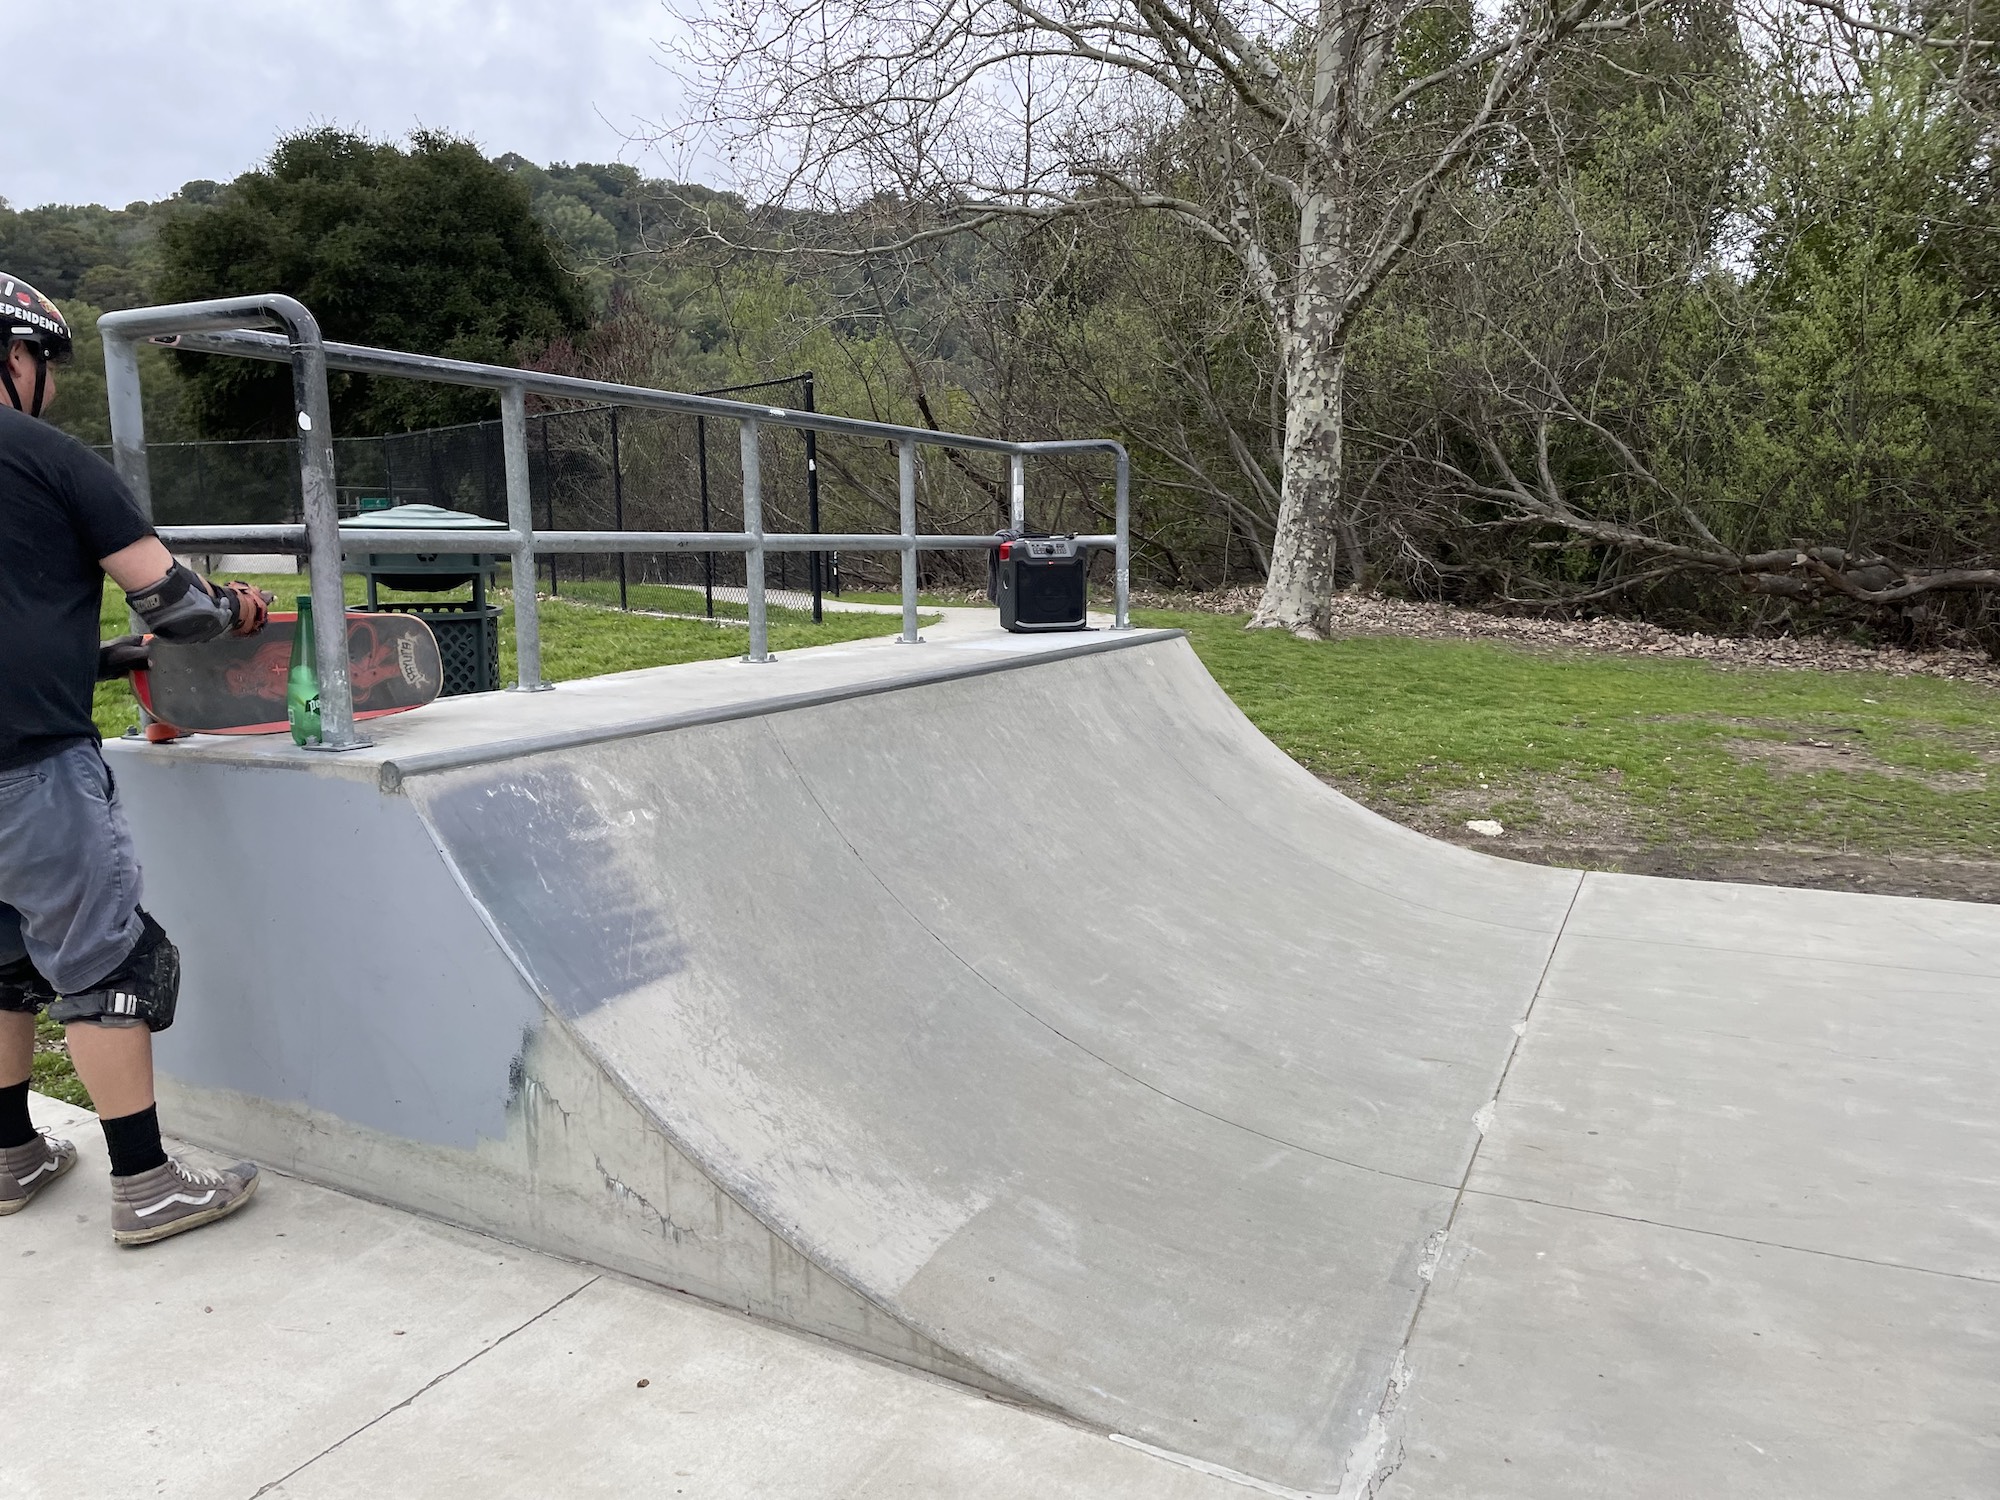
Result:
[
  {"x": 979, "y": 995},
  {"x": 328, "y": 957},
  {"x": 399, "y": 1053}
]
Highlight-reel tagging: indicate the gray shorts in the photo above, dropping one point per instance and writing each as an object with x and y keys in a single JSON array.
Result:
[{"x": 69, "y": 884}]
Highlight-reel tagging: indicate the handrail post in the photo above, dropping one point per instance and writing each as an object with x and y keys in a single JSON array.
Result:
[
  {"x": 753, "y": 557},
  {"x": 906, "y": 491},
  {"x": 322, "y": 519},
  {"x": 521, "y": 521},
  {"x": 128, "y": 430},
  {"x": 1017, "y": 491},
  {"x": 128, "y": 418},
  {"x": 302, "y": 348}
]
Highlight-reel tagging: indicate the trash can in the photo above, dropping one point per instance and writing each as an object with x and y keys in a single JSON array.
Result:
[
  {"x": 467, "y": 630},
  {"x": 1038, "y": 582}
]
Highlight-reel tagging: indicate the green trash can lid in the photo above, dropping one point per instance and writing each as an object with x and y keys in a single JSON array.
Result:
[{"x": 423, "y": 518}]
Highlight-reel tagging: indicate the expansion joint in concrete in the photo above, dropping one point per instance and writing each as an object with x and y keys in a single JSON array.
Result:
[
  {"x": 1380, "y": 1453},
  {"x": 426, "y": 1387}
]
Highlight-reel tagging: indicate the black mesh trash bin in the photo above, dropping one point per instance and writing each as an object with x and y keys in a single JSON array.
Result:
[{"x": 467, "y": 630}]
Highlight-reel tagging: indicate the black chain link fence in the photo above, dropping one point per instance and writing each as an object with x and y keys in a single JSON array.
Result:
[
  {"x": 590, "y": 468},
  {"x": 603, "y": 468}
]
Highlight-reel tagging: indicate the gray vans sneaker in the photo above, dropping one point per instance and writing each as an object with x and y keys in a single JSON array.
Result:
[
  {"x": 26, "y": 1170},
  {"x": 175, "y": 1198}
]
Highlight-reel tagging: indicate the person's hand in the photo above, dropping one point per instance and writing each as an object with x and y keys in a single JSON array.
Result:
[
  {"x": 252, "y": 606},
  {"x": 121, "y": 656}
]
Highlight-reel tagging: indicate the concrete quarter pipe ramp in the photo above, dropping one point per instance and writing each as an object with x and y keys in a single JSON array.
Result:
[{"x": 1011, "y": 1008}]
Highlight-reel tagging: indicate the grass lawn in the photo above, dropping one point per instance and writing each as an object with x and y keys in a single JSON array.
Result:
[
  {"x": 925, "y": 599},
  {"x": 1612, "y": 750},
  {"x": 678, "y": 598}
]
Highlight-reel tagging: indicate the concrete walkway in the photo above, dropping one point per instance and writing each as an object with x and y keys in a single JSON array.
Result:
[{"x": 318, "y": 1345}]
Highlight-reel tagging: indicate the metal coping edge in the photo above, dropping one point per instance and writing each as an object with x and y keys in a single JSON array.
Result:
[{"x": 393, "y": 773}]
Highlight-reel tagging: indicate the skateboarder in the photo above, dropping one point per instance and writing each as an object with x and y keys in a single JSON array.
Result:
[{"x": 73, "y": 937}]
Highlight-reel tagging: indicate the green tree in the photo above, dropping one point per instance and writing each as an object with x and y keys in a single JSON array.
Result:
[
  {"x": 432, "y": 249},
  {"x": 103, "y": 256},
  {"x": 1876, "y": 373}
]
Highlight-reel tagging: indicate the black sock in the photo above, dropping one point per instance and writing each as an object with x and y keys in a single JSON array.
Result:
[
  {"x": 16, "y": 1129},
  {"x": 134, "y": 1141}
]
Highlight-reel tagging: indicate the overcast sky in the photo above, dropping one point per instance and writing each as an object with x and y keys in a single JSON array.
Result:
[{"x": 140, "y": 96}]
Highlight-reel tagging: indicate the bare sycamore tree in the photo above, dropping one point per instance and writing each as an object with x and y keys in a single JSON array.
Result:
[{"x": 1311, "y": 141}]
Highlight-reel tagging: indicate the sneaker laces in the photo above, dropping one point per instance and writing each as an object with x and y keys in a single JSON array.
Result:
[{"x": 194, "y": 1176}]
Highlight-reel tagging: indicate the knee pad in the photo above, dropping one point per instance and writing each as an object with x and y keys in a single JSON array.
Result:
[
  {"x": 140, "y": 991},
  {"x": 22, "y": 988}
]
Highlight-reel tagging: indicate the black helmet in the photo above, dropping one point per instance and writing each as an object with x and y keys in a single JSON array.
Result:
[{"x": 27, "y": 317}]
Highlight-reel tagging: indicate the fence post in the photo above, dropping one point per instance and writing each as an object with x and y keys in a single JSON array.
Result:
[
  {"x": 521, "y": 520},
  {"x": 1017, "y": 492},
  {"x": 906, "y": 490},
  {"x": 1122, "y": 577},
  {"x": 618, "y": 504},
  {"x": 707, "y": 558},
  {"x": 549, "y": 489},
  {"x": 816, "y": 560},
  {"x": 753, "y": 559}
]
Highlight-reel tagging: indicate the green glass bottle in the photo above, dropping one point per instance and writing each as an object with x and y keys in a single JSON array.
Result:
[{"x": 302, "y": 682}]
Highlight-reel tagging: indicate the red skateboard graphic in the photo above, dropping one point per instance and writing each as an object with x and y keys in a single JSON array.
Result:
[{"x": 236, "y": 685}]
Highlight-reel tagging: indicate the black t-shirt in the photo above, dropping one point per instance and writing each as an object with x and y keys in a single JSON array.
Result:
[{"x": 61, "y": 509}]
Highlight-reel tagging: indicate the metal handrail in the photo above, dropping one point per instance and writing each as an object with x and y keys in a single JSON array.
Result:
[
  {"x": 284, "y": 538},
  {"x": 223, "y": 327}
]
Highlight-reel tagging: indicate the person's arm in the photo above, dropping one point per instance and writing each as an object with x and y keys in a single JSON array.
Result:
[
  {"x": 177, "y": 603},
  {"x": 145, "y": 561}
]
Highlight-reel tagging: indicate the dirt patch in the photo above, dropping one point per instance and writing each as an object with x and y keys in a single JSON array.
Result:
[
  {"x": 1806, "y": 756},
  {"x": 1588, "y": 826},
  {"x": 1370, "y": 614},
  {"x": 1557, "y": 809}
]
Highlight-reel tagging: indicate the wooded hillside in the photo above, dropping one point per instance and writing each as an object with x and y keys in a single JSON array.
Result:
[{"x": 1699, "y": 326}]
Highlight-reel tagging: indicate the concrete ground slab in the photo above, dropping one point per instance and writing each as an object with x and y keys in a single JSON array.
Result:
[
  {"x": 1826, "y": 1105},
  {"x": 1577, "y": 1356},
  {"x": 316, "y": 1344},
  {"x": 216, "y": 1362},
  {"x": 729, "y": 1408}
]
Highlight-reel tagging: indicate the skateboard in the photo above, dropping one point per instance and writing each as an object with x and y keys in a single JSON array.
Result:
[{"x": 236, "y": 685}]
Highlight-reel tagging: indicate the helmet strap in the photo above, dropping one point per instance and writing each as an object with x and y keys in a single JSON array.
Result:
[{"x": 34, "y": 408}]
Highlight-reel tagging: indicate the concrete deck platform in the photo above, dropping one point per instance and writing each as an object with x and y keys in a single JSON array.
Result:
[{"x": 319, "y": 1345}]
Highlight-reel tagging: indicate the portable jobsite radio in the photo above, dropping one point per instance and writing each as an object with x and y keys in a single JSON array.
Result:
[{"x": 1038, "y": 581}]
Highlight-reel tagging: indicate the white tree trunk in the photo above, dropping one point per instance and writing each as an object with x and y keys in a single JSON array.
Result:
[{"x": 1298, "y": 590}]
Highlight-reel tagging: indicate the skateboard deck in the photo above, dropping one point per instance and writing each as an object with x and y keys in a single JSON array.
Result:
[{"x": 236, "y": 685}]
